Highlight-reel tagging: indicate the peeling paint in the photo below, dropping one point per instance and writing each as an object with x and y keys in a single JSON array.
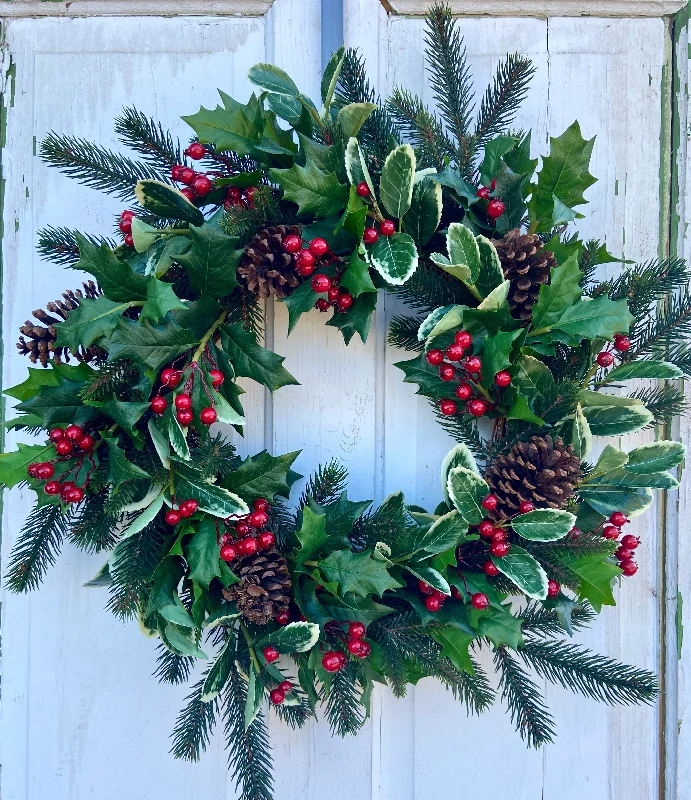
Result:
[{"x": 680, "y": 624}]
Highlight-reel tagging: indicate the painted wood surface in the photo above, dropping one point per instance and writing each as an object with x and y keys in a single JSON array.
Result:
[{"x": 80, "y": 716}]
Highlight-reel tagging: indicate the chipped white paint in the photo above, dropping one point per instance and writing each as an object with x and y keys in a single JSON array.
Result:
[{"x": 80, "y": 716}]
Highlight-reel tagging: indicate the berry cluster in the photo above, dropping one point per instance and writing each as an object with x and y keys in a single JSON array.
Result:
[
  {"x": 386, "y": 226},
  {"x": 622, "y": 343},
  {"x": 247, "y": 535},
  {"x": 183, "y": 510},
  {"x": 70, "y": 442},
  {"x": 125, "y": 226},
  {"x": 317, "y": 255},
  {"x": 495, "y": 206},
  {"x": 434, "y": 599},
  {"x": 239, "y": 197},
  {"x": 197, "y": 184},
  {"x": 278, "y": 694},
  {"x": 627, "y": 544},
  {"x": 184, "y": 414},
  {"x": 335, "y": 660}
]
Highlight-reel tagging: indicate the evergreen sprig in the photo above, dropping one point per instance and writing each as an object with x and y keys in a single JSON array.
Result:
[
  {"x": 430, "y": 287},
  {"x": 403, "y": 333},
  {"x": 425, "y": 131},
  {"x": 344, "y": 710},
  {"x": 195, "y": 722},
  {"x": 537, "y": 620},
  {"x": 148, "y": 138},
  {"x": 59, "y": 245},
  {"x": 172, "y": 667},
  {"x": 324, "y": 486},
  {"x": 664, "y": 402}
]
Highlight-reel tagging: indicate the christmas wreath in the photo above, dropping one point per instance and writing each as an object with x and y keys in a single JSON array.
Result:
[{"x": 515, "y": 342}]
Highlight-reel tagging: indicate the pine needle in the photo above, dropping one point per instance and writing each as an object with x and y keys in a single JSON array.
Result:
[
  {"x": 148, "y": 138},
  {"x": 194, "y": 725},
  {"x": 325, "y": 485},
  {"x": 172, "y": 667},
  {"x": 344, "y": 709},
  {"x": 59, "y": 245}
]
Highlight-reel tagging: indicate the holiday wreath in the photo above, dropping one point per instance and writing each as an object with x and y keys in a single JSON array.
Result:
[{"x": 517, "y": 345}]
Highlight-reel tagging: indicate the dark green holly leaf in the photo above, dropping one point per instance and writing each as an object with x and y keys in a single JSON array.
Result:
[
  {"x": 497, "y": 353},
  {"x": 341, "y": 516},
  {"x": 494, "y": 150},
  {"x": 313, "y": 191},
  {"x": 451, "y": 178},
  {"x": 297, "y": 637},
  {"x": 356, "y": 278},
  {"x": 467, "y": 490},
  {"x": 116, "y": 278},
  {"x": 88, "y": 322},
  {"x": 328, "y": 159},
  {"x": 543, "y": 524},
  {"x": 261, "y": 476},
  {"x": 501, "y": 628},
  {"x": 197, "y": 316},
  {"x": 396, "y": 184},
  {"x": 124, "y": 413},
  {"x": 455, "y": 646},
  {"x": 30, "y": 387},
  {"x": 357, "y": 319},
  {"x": 354, "y": 217},
  {"x": 518, "y": 158},
  {"x": 561, "y": 293},
  {"x": 232, "y": 126},
  {"x": 524, "y": 571},
  {"x": 358, "y": 573},
  {"x": 213, "y": 499},
  {"x": 201, "y": 552},
  {"x": 163, "y": 598},
  {"x": 13, "y": 465},
  {"x": 451, "y": 614},
  {"x": 154, "y": 345},
  {"x": 511, "y": 187},
  {"x": 395, "y": 258},
  {"x": 161, "y": 300},
  {"x": 521, "y": 410},
  {"x": 299, "y": 302},
  {"x": 273, "y": 79},
  {"x": 596, "y": 576},
  {"x": 563, "y": 607},
  {"x": 312, "y": 534},
  {"x": 253, "y": 361},
  {"x": 424, "y": 215},
  {"x": 631, "y": 501},
  {"x": 419, "y": 370},
  {"x": 600, "y": 318},
  {"x": 120, "y": 470},
  {"x": 61, "y": 403},
  {"x": 212, "y": 262}
]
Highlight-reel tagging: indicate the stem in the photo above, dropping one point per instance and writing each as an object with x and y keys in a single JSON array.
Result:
[
  {"x": 205, "y": 339},
  {"x": 539, "y": 332},
  {"x": 591, "y": 372},
  {"x": 251, "y": 650}
]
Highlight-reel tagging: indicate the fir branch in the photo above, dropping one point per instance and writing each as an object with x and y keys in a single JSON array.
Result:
[
  {"x": 464, "y": 431},
  {"x": 113, "y": 378},
  {"x": 642, "y": 285},
  {"x": 526, "y": 704},
  {"x": 37, "y": 547},
  {"x": 282, "y": 524},
  {"x": 229, "y": 160},
  {"x": 541, "y": 621},
  {"x": 426, "y": 133},
  {"x": 296, "y": 716},
  {"x": 92, "y": 528},
  {"x": 403, "y": 333},
  {"x": 579, "y": 669},
  {"x": 573, "y": 547},
  {"x": 215, "y": 457},
  {"x": 148, "y": 138},
  {"x": 325, "y": 485},
  {"x": 429, "y": 287},
  {"x": 503, "y": 97},
  {"x": 172, "y": 667},
  {"x": 344, "y": 709},
  {"x": 588, "y": 261},
  {"x": 385, "y": 524},
  {"x": 659, "y": 335},
  {"x": 96, "y": 166},
  {"x": 194, "y": 725},
  {"x": 664, "y": 402},
  {"x": 59, "y": 245},
  {"x": 243, "y": 307}
]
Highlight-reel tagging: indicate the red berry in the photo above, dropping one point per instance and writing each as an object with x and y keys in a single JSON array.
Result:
[
  {"x": 473, "y": 365},
  {"x": 292, "y": 243},
  {"x": 629, "y": 568},
  {"x": 196, "y": 151},
  {"x": 322, "y": 304},
  {"x": 304, "y": 263},
  {"x": 483, "y": 192},
  {"x": 86, "y": 442},
  {"x": 187, "y": 193},
  {"x": 498, "y": 535},
  {"x": 433, "y": 603},
  {"x": 356, "y": 630},
  {"x": 526, "y": 507},
  {"x": 283, "y": 618},
  {"x": 476, "y": 407},
  {"x": 485, "y": 528},
  {"x": 248, "y": 546},
  {"x": 464, "y": 339},
  {"x": 490, "y": 502},
  {"x": 188, "y": 507},
  {"x": 623, "y": 554},
  {"x": 45, "y": 471},
  {"x": 56, "y": 434},
  {"x": 448, "y": 407},
  {"x": 495, "y": 208},
  {"x": 387, "y": 228},
  {"x": 74, "y": 495},
  {"x": 183, "y": 402},
  {"x": 618, "y": 518},
  {"x": 332, "y": 295},
  {"x": 66, "y": 488},
  {"x": 622, "y": 343},
  {"x": 186, "y": 176},
  {"x": 499, "y": 549},
  {"x": 277, "y": 696},
  {"x": 434, "y": 357},
  {"x": 125, "y": 225},
  {"x": 480, "y": 601},
  {"x": 266, "y": 540},
  {"x": 464, "y": 391},
  {"x": 454, "y": 352},
  {"x": 270, "y": 654},
  {"x": 260, "y": 504},
  {"x": 73, "y": 432},
  {"x": 176, "y": 172},
  {"x": 32, "y": 470},
  {"x": 611, "y": 532},
  {"x": 64, "y": 447},
  {"x": 370, "y": 235},
  {"x": 217, "y": 378},
  {"x": 447, "y": 372},
  {"x": 605, "y": 359},
  {"x": 184, "y": 417},
  {"x": 202, "y": 185},
  {"x": 52, "y": 487},
  {"x": 173, "y": 517},
  {"x": 234, "y": 195},
  {"x": 259, "y": 519},
  {"x": 365, "y": 650},
  {"x": 332, "y": 661},
  {"x": 553, "y": 588},
  {"x": 345, "y": 301},
  {"x": 354, "y": 646},
  {"x": 286, "y": 687},
  {"x": 319, "y": 247},
  {"x": 490, "y": 568},
  {"x": 502, "y": 379},
  {"x": 170, "y": 377},
  {"x": 208, "y": 415},
  {"x": 127, "y": 214},
  {"x": 320, "y": 283},
  {"x": 362, "y": 189},
  {"x": 228, "y": 552},
  {"x": 242, "y": 529},
  {"x": 630, "y": 542},
  {"x": 456, "y": 594},
  {"x": 425, "y": 588}
]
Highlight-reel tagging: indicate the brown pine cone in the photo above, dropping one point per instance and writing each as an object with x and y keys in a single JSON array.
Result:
[
  {"x": 527, "y": 266},
  {"x": 266, "y": 267},
  {"x": 263, "y": 590},
  {"x": 542, "y": 471},
  {"x": 39, "y": 343}
]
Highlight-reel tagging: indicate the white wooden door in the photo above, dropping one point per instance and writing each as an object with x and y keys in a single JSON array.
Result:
[{"x": 81, "y": 716}]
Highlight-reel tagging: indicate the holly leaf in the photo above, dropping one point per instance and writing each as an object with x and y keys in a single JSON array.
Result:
[
  {"x": 87, "y": 323},
  {"x": 356, "y": 278},
  {"x": 125, "y": 414},
  {"x": 218, "y": 674},
  {"x": 524, "y": 571},
  {"x": 341, "y": 515},
  {"x": 501, "y": 628},
  {"x": 491, "y": 274},
  {"x": 451, "y": 178},
  {"x": 533, "y": 378},
  {"x": 261, "y": 476},
  {"x": 581, "y": 435},
  {"x": 424, "y": 215},
  {"x": 298, "y": 303},
  {"x": 543, "y": 524},
  {"x": 455, "y": 646},
  {"x": 358, "y": 573},
  {"x": 430, "y": 576},
  {"x": 161, "y": 300},
  {"x": 232, "y": 126},
  {"x": 458, "y": 456},
  {"x": 354, "y": 217},
  {"x": 395, "y": 258},
  {"x": 596, "y": 578},
  {"x": 213, "y": 499},
  {"x": 212, "y": 262},
  {"x": 352, "y": 117},
  {"x": 467, "y": 490},
  {"x": 202, "y": 554},
  {"x": 655, "y": 457},
  {"x": 167, "y": 202},
  {"x": 297, "y": 637},
  {"x": 632, "y": 501},
  {"x": 273, "y": 79},
  {"x": 61, "y": 403},
  {"x": 494, "y": 150},
  {"x": 497, "y": 353},
  {"x": 30, "y": 387},
  {"x": 182, "y": 641},
  {"x": 511, "y": 187},
  {"x": 163, "y": 598},
  {"x": 521, "y": 410},
  {"x": 117, "y": 279},
  {"x": 445, "y": 533},
  {"x": 463, "y": 249},
  {"x": 357, "y": 319},
  {"x": 313, "y": 191},
  {"x": 419, "y": 370},
  {"x": 120, "y": 470},
  {"x": 600, "y": 318},
  {"x": 657, "y": 370},
  {"x": 154, "y": 345},
  {"x": 613, "y": 420},
  {"x": 13, "y": 465},
  {"x": 561, "y": 293},
  {"x": 396, "y": 183},
  {"x": 312, "y": 534},
  {"x": 253, "y": 361}
]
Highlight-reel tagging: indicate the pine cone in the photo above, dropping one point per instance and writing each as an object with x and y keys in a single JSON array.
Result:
[
  {"x": 542, "y": 471},
  {"x": 40, "y": 342},
  {"x": 263, "y": 590},
  {"x": 527, "y": 266},
  {"x": 266, "y": 267}
]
